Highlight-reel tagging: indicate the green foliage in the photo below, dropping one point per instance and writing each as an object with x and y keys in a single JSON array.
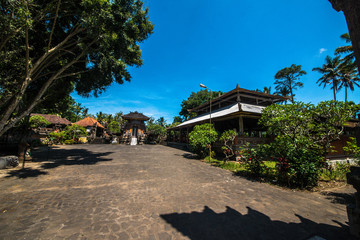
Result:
[
  {"x": 114, "y": 127},
  {"x": 330, "y": 73},
  {"x": 303, "y": 133},
  {"x": 201, "y": 137},
  {"x": 335, "y": 172},
  {"x": 228, "y": 137},
  {"x": 329, "y": 118},
  {"x": 194, "y": 100},
  {"x": 177, "y": 119},
  {"x": 46, "y": 48},
  {"x": 254, "y": 158},
  {"x": 352, "y": 149},
  {"x": 156, "y": 129},
  {"x": 299, "y": 161},
  {"x": 348, "y": 49},
  {"x": 69, "y": 141},
  {"x": 73, "y": 132},
  {"x": 289, "y": 78},
  {"x": 57, "y": 137},
  {"x": 38, "y": 121},
  {"x": 322, "y": 124},
  {"x": 349, "y": 77},
  {"x": 161, "y": 122}
]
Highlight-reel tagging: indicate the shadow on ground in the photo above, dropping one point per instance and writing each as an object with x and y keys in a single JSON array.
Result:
[
  {"x": 55, "y": 157},
  {"x": 254, "y": 225},
  {"x": 25, "y": 173},
  {"x": 340, "y": 198}
]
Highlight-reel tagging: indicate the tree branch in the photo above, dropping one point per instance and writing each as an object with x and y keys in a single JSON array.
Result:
[
  {"x": 53, "y": 27},
  {"x": 37, "y": 99}
]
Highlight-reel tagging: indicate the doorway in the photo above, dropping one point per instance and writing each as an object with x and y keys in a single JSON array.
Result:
[{"x": 135, "y": 131}]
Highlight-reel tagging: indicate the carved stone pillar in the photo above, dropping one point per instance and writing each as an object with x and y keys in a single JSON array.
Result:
[{"x": 353, "y": 211}]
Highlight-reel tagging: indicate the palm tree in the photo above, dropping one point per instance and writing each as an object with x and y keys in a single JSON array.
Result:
[
  {"x": 267, "y": 90},
  {"x": 348, "y": 49},
  {"x": 283, "y": 92},
  {"x": 330, "y": 71},
  {"x": 289, "y": 78},
  {"x": 349, "y": 77}
]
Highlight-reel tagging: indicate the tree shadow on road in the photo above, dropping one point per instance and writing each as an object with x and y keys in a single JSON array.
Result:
[
  {"x": 340, "y": 198},
  {"x": 231, "y": 224},
  {"x": 25, "y": 173},
  {"x": 56, "y": 157}
]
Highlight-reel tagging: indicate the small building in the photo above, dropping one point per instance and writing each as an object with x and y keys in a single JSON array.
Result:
[
  {"x": 134, "y": 130},
  {"x": 93, "y": 127},
  {"x": 56, "y": 123},
  {"x": 239, "y": 109}
]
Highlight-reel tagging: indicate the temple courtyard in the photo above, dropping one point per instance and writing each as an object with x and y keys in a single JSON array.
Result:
[{"x": 156, "y": 192}]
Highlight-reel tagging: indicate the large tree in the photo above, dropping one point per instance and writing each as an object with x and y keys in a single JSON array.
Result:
[
  {"x": 196, "y": 99},
  {"x": 330, "y": 73},
  {"x": 45, "y": 45},
  {"x": 289, "y": 78}
]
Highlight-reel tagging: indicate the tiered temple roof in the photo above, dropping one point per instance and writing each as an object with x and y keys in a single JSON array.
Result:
[{"x": 136, "y": 116}]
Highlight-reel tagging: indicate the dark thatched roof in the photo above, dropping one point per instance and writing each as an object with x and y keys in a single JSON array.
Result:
[
  {"x": 53, "y": 119},
  {"x": 136, "y": 116}
]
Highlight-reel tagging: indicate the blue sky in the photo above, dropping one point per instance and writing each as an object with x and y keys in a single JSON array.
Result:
[{"x": 222, "y": 43}]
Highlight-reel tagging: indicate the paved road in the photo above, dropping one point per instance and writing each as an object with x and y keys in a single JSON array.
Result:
[{"x": 154, "y": 192}]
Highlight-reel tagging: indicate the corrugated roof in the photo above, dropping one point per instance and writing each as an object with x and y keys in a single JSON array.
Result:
[
  {"x": 88, "y": 122},
  {"x": 53, "y": 119},
  {"x": 272, "y": 97},
  {"x": 225, "y": 111},
  {"x": 136, "y": 116}
]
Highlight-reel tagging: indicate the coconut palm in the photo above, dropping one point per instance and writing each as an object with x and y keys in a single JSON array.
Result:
[
  {"x": 330, "y": 71},
  {"x": 348, "y": 49},
  {"x": 283, "y": 91},
  {"x": 267, "y": 90},
  {"x": 349, "y": 77}
]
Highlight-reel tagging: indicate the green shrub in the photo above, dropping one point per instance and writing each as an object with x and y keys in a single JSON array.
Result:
[
  {"x": 228, "y": 138},
  {"x": 38, "y": 121},
  {"x": 114, "y": 127},
  {"x": 254, "y": 158},
  {"x": 201, "y": 137},
  {"x": 299, "y": 161},
  {"x": 73, "y": 132},
  {"x": 335, "y": 172},
  {"x": 69, "y": 142},
  {"x": 352, "y": 149},
  {"x": 57, "y": 137}
]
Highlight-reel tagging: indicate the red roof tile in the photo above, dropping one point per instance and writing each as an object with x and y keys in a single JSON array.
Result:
[
  {"x": 89, "y": 122},
  {"x": 53, "y": 119}
]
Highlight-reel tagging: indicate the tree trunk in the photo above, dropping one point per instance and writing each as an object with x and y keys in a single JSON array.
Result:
[
  {"x": 345, "y": 94},
  {"x": 292, "y": 96}
]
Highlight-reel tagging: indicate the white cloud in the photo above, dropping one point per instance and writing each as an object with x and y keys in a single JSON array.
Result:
[{"x": 322, "y": 50}]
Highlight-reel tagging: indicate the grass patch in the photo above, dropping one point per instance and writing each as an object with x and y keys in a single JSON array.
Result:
[{"x": 270, "y": 173}]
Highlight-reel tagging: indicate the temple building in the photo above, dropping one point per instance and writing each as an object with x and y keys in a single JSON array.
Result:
[
  {"x": 93, "y": 128},
  {"x": 134, "y": 131},
  {"x": 239, "y": 110}
]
